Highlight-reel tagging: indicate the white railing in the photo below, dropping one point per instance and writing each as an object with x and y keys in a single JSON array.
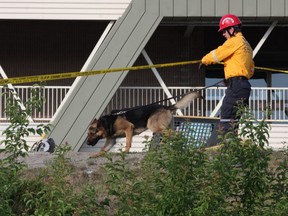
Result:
[
  {"x": 260, "y": 99},
  {"x": 275, "y": 98},
  {"x": 53, "y": 96}
]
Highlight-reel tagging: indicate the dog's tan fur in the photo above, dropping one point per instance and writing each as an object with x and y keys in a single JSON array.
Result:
[
  {"x": 160, "y": 120},
  {"x": 157, "y": 122}
]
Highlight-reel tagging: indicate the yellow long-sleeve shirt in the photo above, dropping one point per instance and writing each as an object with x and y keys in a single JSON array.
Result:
[{"x": 237, "y": 55}]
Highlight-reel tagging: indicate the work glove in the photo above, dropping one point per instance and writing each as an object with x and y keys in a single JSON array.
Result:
[{"x": 201, "y": 66}]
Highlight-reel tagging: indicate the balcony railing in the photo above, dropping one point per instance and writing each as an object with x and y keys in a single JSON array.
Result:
[
  {"x": 260, "y": 99},
  {"x": 53, "y": 96}
]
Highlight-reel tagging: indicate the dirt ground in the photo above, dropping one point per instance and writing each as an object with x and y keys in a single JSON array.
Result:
[
  {"x": 78, "y": 159},
  {"x": 83, "y": 162}
]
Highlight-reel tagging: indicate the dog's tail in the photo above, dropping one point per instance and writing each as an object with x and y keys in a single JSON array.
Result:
[{"x": 186, "y": 100}]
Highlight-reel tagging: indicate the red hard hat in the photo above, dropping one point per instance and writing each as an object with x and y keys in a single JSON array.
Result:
[{"x": 228, "y": 20}]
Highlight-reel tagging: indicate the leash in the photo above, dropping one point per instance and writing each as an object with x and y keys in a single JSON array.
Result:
[
  {"x": 213, "y": 85},
  {"x": 174, "y": 97}
]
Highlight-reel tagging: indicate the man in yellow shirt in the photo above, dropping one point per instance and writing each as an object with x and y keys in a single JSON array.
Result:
[{"x": 237, "y": 55}]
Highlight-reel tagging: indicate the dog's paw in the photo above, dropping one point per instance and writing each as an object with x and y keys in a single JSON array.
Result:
[{"x": 98, "y": 154}]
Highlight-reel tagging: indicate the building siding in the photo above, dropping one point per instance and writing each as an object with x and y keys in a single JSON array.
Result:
[
  {"x": 113, "y": 9},
  {"x": 63, "y": 9}
]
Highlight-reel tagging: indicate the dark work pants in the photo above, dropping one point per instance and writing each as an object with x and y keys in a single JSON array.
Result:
[{"x": 238, "y": 91}]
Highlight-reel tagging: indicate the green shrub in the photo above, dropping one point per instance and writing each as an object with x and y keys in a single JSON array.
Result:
[
  {"x": 240, "y": 177},
  {"x": 51, "y": 191},
  {"x": 181, "y": 179},
  {"x": 15, "y": 145},
  {"x": 172, "y": 180}
]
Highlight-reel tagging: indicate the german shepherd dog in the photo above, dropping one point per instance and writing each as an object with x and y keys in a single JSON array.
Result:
[{"x": 134, "y": 120}]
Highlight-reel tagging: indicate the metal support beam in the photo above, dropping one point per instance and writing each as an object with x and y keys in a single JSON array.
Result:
[
  {"x": 15, "y": 94},
  {"x": 264, "y": 38},
  {"x": 84, "y": 68},
  {"x": 160, "y": 80}
]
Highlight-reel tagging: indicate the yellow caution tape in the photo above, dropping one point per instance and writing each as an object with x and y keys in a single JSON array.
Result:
[
  {"x": 271, "y": 69},
  {"x": 69, "y": 75}
]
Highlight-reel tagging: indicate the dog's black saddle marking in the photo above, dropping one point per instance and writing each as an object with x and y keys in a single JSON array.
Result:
[
  {"x": 136, "y": 115},
  {"x": 140, "y": 116}
]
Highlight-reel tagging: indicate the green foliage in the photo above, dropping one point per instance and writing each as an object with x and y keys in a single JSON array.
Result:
[
  {"x": 15, "y": 143},
  {"x": 50, "y": 192},
  {"x": 239, "y": 177},
  {"x": 243, "y": 167},
  {"x": 181, "y": 179},
  {"x": 15, "y": 146},
  {"x": 55, "y": 194}
]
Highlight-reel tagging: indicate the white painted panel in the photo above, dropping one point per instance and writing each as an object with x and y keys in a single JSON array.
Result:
[
  {"x": 113, "y": 9},
  {"x": 67, "y": 1},
  {"x": 277, "y": 8},
  {"x": 166, "y": 7},
  {"x": 194, "y": 8},
  {"x": 250, "y": 8},
  {"x": 180, "y": 9},
  {"x": 63, "y": 9},
  {"x": 208, "y": 8},
  {"x": 263, "y": 7},
  {"x": 286, "y": 7},
  {"x": 236, "y": 7},
  {"x": 222, "y": 7}
]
